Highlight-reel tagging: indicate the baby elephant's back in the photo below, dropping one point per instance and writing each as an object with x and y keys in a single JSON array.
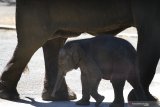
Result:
[{"x": 112, "y": 54}]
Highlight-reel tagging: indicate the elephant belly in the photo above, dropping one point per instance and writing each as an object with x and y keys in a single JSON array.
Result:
[
  {"x": 106, "y": 70},
  {"x": 82, "y": 16},
  {"x": 106, "y": 77}
]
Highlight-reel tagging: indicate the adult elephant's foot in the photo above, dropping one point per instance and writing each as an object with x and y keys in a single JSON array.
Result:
[
  {"x": 8, "y": 94},
  {"x": 149, "y": 97},
  {"x": 62, "y": 95}
]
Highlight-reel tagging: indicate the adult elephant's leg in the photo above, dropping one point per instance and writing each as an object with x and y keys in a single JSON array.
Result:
[
  {"x": 148, "y": 60},
  {"x": 13, "y": 70},
  {"x": 148, "y": 26},
  {"x": 51, "y": 50},
  {"x": 32, "y": 33},
  {"x": 148, "y": 55}
]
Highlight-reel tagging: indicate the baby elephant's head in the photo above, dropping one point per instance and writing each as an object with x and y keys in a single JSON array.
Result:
[{"x": 68, "y": 59}]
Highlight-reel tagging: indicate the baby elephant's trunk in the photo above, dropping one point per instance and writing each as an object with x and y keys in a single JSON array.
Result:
[{"x": 59, "y": 80}]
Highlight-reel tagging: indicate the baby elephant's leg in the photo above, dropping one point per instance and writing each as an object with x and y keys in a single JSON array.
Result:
[
  {"x": 85, "y": 91},
  {"x": 94, "y": 83},
  {"x": 118, "y": 85}
]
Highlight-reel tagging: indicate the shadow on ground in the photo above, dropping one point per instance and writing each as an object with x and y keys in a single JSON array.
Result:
[{"x": 34, "y": 103}]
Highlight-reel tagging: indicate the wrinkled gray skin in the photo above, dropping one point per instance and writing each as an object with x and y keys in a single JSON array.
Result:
[
  {"x": 48, "y": 23},
  {"x": 104, "y": 57}
]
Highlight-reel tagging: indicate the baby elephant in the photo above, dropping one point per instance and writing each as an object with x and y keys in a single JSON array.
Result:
[{"x": 100, "y": 57}]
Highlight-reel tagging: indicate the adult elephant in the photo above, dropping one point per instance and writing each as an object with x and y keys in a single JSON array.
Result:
[{"x": 48, "y": 23}]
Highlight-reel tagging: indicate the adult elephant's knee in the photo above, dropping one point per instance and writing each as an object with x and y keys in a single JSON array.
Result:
[{"x": 51, "y": 50}]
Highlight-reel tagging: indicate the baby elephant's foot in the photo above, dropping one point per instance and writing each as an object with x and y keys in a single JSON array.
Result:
[
  {"x": 116, "y": 105},
  {"x": 83, "y": 102},
  {"x": 99, "y": 101}
]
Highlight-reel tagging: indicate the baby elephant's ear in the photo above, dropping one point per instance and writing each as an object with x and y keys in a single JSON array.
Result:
[{"x": 76, "y": 52}]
